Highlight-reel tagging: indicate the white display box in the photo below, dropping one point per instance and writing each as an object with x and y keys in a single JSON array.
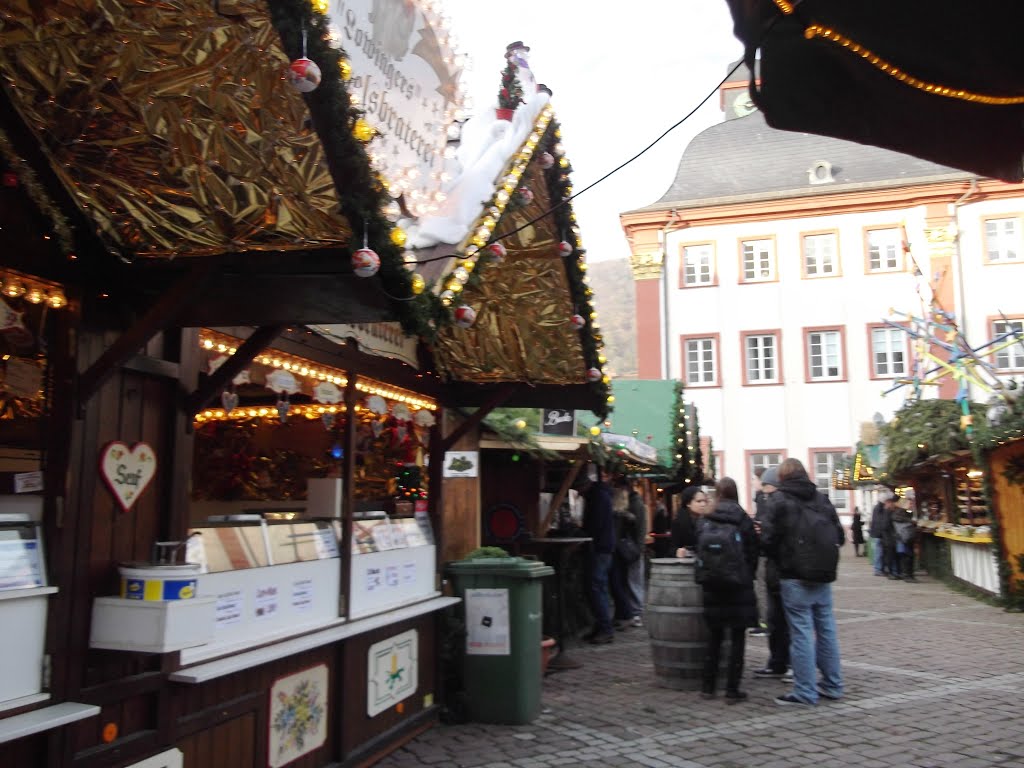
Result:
[
  {"x": 323, "y": 497},
  {"x": 151, "y": 626},
  {"x": 21, "y": 649}
]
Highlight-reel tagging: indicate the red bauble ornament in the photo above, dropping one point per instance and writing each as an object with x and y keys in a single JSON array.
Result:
[
  {"x": 365, "y": 262},
  {"x": 594, "y": 374},
  {"x": 465, "y": 316},
  {"x": 525, "y": 195},
  {"x": 577, "y": 322},
  {"x": 304, "y": 75},
  {"x": 497, "y": 251},
  {"x": 546, "y": 160},
  {"x": 565, "y": 248},
  {"x": 10, "y": 179}
]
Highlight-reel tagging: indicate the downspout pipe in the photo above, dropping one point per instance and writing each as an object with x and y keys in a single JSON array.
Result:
[
  {"x": 673, "y": 216},
  {"x": 961, "y": 293}
]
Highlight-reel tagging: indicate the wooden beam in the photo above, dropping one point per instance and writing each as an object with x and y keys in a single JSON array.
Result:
[
  {"x": 161, "y": 315},
  {"x": 348, "y": 490},
  {"x": 259, "y": 340},
  {"x": 582, "y": 457},
  {"x": 500, "y": 396}
]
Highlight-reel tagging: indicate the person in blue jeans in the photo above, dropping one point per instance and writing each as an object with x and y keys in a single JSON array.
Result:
[{"x": 804, "y": 535}]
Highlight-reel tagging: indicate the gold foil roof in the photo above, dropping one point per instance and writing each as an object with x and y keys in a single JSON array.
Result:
[
  {"x": 170, "y": 124},
  {"x": 523, "y": 305}
]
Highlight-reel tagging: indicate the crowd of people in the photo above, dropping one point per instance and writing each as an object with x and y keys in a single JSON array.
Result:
[{"x": 795, "y": 532}]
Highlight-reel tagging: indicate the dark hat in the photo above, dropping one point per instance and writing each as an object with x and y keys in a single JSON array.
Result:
[
  {"x": 770, "y": 477},
  {"x": 517, "y": 44}
]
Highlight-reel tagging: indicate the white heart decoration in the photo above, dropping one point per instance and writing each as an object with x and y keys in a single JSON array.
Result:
[
  {"x": 127, "y": 471},
  {"x": 229, "y": 400}
]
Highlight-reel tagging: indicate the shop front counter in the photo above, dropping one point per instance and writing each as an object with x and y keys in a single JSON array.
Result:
[{"x": 972, "y": 559}]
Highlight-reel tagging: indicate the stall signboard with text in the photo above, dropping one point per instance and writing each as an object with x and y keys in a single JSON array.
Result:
[
  {"x": 405, "y": 77},
  {"x": 557, "y": 421}
]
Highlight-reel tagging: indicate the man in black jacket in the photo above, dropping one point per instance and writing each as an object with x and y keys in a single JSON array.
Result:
[
  {"x": 804, "y": 536},
  {"x": 599, "y": 523}
]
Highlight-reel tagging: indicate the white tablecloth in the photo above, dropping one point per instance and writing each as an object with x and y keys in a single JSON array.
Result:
[{"x": 975, "y": 564}]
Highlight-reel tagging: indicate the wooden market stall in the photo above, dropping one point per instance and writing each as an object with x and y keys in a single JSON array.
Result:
[{"x": 178, "y": 226}]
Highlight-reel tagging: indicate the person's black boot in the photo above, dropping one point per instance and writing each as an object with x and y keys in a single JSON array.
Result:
[{"x": 735, "y": 696}]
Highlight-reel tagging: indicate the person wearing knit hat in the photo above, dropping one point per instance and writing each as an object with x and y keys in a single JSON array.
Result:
[{"x": 778, "y": 630}]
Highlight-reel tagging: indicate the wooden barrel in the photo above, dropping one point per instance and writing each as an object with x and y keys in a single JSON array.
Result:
[{"x": 674, "y": 618}]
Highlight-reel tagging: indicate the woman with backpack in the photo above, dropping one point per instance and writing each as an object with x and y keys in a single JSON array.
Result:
[{"x": 727, "y": 552}]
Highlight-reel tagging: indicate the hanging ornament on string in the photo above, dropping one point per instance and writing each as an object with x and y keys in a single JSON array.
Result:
[
  {"x": 546, "y": 160},
  {"x": 327, "y": 419},
  {"x": 565, "y": 249},
  {"x": 304, "y": 74},
  {"x": 365, "y": 261},
  {"x": 497, "y": 252},
  {"x": 229, "y": 400},
  {"x": 577, "y": 322},
  {"x": 465, "y": 316},
  {"x": 283, "y": 406},
  {"x": 594, "y": 374}
]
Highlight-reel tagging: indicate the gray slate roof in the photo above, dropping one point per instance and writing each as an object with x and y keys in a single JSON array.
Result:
[{"x": 746, "y": 159}]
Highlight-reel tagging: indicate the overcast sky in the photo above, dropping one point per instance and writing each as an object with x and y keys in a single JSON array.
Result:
[{"x": 622, "y": 73}]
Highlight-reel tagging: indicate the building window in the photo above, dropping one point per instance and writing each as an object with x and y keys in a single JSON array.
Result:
[
  {"x": 824, "y": 464},
  {"x": 885, "y": 247},
  {"x": 1003, "y": 239},
  {"x": 1011, "y": 357},
  {"x": 820, "y": 257},
  {"x": 764, "y": 460},
  {"x": 698, "y": 265},
  {"x": 758, "y": 261},
  {"x": 700, "y": 361},
  {"x": 825, "y": 355},
  {"x": 761, "y": 356},
  {"x": 888, "y": 352}
]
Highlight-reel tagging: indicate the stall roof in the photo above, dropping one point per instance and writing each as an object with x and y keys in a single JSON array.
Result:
[
  {"x": 202, "y": 190},
  {"x": 938, "y": 79}
]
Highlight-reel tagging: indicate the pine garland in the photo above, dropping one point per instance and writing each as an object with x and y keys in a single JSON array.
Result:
[
  {"x": 510, "y": 95},
  {"x": 688, "y": 467},
  {"x": 361, "y": 193}
]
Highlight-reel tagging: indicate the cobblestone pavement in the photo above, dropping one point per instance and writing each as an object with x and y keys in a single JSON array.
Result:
[{"x": 934, "y": 679}]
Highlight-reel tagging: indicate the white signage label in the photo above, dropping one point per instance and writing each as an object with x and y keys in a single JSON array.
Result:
[
  {"x": 302, "y": 595},
  {"x": 405, "y": 78},
  {"x": 228, "y": 609},
  {"x": 487, "y": 626}
]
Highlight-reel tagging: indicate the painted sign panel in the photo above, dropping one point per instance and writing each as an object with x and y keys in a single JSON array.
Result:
[
  {"x": 557, "y": 421},
  {"x": 393, "y": 671},
  {"x": 298, "y": 715}
]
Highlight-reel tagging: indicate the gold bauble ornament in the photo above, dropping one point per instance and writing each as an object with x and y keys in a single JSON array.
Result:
[
  {"x": 398, "y": 236},
  {"x": 418, "y": 284},
  {"x": 320, "y": 6},
  {"x": 363, "y": 131},
  {"x": 344, "y": 68}
]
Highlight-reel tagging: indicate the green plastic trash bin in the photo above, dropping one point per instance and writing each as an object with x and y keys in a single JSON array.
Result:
[{"x": 503, "y": 609}]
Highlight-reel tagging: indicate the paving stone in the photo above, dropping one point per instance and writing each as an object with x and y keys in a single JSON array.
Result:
[{"x": 932, "y": 679}]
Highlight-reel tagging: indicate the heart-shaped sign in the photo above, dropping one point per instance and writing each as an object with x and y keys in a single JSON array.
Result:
[
  {"x": 229, "y": 400},
  {"x": 127, "y": 471}
]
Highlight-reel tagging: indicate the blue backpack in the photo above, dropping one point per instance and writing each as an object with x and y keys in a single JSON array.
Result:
[{"x": 720, "y": 560}]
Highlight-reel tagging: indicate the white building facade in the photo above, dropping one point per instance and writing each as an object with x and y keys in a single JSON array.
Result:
[{"x": 765, "y": 274}]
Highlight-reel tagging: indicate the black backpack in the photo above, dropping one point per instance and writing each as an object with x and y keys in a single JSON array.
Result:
[
  {"x": 720, "y": 560},
  {"x": 815, "y": 543}
]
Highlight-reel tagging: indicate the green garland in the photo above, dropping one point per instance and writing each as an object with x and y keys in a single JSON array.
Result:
[
  {"x": 559, "y": 188},
  {"x": 682, "y": 470},
  {"x": 361, "y": 194},
  {"x": 925, "y": 428}
]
